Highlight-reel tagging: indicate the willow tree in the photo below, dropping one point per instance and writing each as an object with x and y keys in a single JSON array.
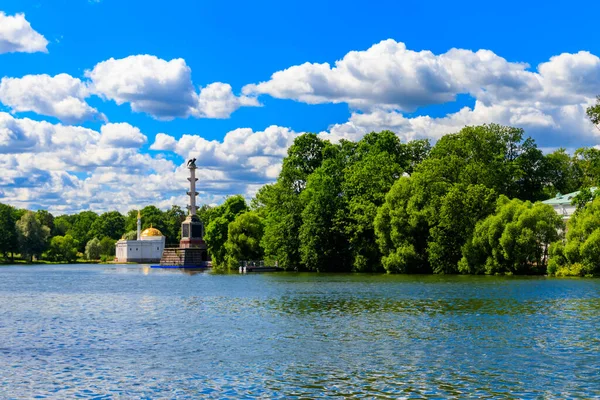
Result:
[
  {"x": 514, "y": 240},
  {"x": 32, "y": 236},
  {"x": 244, "y": 235}
]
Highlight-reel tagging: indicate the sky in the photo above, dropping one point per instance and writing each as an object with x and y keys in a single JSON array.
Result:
[{"x": 103, "y": 101}]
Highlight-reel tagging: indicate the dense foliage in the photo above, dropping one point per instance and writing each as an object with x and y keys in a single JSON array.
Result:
[{"x": 580, "y": 253}]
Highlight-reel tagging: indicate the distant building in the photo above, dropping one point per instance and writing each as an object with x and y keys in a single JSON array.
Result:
[
  {"x": 148, "y": 247},
  {"x": 562, "y": 204}
]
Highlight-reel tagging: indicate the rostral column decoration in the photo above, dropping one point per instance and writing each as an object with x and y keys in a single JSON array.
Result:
[{"x": 192, "y": 230}]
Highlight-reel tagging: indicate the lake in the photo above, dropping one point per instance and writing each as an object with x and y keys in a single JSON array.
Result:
[{"x": 105, "y": 331}]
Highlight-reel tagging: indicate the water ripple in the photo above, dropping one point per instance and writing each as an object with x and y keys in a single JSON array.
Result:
[{"x": 130, "y": 332}]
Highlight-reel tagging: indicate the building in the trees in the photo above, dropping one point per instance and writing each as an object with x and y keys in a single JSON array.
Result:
[
  {"x": 147, "y": 248},
  {"x": 562, "y": 204}
]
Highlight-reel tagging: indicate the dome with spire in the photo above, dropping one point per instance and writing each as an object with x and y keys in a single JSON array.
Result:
[{"x": 151, "y": 233}]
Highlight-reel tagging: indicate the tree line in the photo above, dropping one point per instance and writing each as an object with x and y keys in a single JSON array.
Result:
[
  {"x": 85, "y": 235},
  {"x": 468, "y": 204}
]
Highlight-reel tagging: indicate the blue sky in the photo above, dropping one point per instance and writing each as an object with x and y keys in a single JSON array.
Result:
[{"x": 413, "y": 84}]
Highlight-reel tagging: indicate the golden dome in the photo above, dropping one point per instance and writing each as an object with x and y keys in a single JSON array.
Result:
[{"x": 151, "y": 232}]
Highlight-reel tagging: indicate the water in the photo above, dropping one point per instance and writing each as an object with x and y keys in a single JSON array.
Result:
[{"x": 132, "y": 332}]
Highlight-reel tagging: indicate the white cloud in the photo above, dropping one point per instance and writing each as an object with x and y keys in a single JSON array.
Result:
[
  {"x": 17, "y": 35},
  {"x": 61, "y": 96},
  {"x": 162, "y": 89},
  {"x": 121, "y": 135},
  {"x": 162, "y": 141},
  {"x": 218, "y": 101},
  {"x": 390, "y": 76}
]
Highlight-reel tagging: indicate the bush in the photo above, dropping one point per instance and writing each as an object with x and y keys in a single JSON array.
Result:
[{"x": 576, "y": 269}]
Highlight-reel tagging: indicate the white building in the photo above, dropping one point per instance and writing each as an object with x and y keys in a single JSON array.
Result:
[
  {"x": 148, "y": 247},
  {"x": 562, "y": 204}
]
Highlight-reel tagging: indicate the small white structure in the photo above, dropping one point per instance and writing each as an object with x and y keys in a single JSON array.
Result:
[
  {"x": 148, "y": 247},
  {"x": 562, "y": 204}
]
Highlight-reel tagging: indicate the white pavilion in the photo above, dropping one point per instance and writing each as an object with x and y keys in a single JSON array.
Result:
[{"x": 147, "y": 248}]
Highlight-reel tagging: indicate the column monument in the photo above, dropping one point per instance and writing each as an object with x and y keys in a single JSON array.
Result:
[{"x": 192, "y": 251}]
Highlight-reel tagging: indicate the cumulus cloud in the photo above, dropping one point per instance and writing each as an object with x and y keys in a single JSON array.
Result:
[
  {"x": 390, "y": 76},
  {"x": 17, "y": 35},
  {"x": 247, "y": 155},
  {"x": 121, "y": 135},
  {"x": 69, "y": 168},
  {"x": 61, "y": 96},
  {"x": 72, "y": 168},
  {"x": 162, "y": 89}
]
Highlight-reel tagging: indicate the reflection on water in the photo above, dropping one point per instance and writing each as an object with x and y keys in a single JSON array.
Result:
[{"x": 131, "y": 331}]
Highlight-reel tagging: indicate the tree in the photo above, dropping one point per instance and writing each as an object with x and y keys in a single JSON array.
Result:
[
  {"x": 593, "y": 113},
  {"x": 495, "y": 156},
  {"x": 131, "y": 235},
  {"x": 404, "y": 221},
  {"x": 81, "y": 227},
  {"x": 63, "y": 248},
  {"x": 584, "y": 196},
  {"x": 303, "y": 157},
  {"x": 8, "y": 232},
  {"x": 110, "y": 224},
  {"x": 514, "y": 240},
  {"x": 562, "y": 173},
  {"x": 45, "y": 218},
  {"x": 32, "y": 236},
  {"x": 107, "y": 246},
  {"x": 378, "y": 161},
  {"x": 62, "y": 225},
  {"x": 173, "y": 219},
  {"x": 283, "y": 219},
  {"x": 460, "y": 210},
  {"x": 323, "y": 242},
  {"x": 216, "y": 232},
  {"x": 244, "y": 234},
  {"x": 92, "y": 249},
  {"x": 582, "y": 245}
]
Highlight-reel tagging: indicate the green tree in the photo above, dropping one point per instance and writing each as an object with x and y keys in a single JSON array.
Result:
[
  {"x": 460, "y": 210},
  {"x": 495, "y": 156},
  {"x": 404, "y": 221},
  {"x": 584, "y": 196},
  {"x": 514, "y": 240},
  {"x": 216, "y": 232},
  {"x": 8, "y": 231},
  {"x": 62, "y": 225},
  {"x": 593, "y": 113},
  {"x": 378, "y": 161},
  {"x": 32, "y": 236},
  {"x": 81, "y": 227},
  {"x": 244, "y": 234},
  {"x": 323, "y": 242},
  {"x": 107, "y": 246},
  {"x": 110, "y": 224},
  {"x": 303, "y": 157},
  {"x": 582, "y": 245},
  {"x": 92, "y": 249},
  {"x": 45, "y": 218},
  {"x": 281, "y": 204},
  {"x": 283, "y": 219},
  {"x": 63, "y": 248},
  {"x": 174, "y": 216},
  {"x": 588, "y": 162},
  {"x": 131, "y": 235},
  {"x": 562, "y": 173}
]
